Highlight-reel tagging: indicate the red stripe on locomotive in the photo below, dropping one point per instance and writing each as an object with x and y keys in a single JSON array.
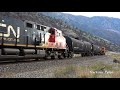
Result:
[{"x": 56, "y": 40}]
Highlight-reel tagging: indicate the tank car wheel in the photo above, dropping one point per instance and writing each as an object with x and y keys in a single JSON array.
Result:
[
  {"x": 36, "y": 59},
  {"x": 59, "y": 56},
  {"x": 52, "y": 57},
  {"x": 82, "y": 55},
  {"x": 71, "y": 55},
  {"x": 46, "y": 57},
  {"x": 92, "y": 54}
]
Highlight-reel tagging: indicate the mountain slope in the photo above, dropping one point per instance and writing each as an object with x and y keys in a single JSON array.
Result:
[
  {"x": 67, "y": 29},
  {"x": 105, "y": 27}
]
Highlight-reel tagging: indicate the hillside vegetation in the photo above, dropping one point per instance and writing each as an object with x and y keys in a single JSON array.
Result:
[{"x": 105, "y": 27}]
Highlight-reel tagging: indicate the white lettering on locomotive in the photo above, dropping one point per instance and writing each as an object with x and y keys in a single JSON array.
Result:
[
  {"x": 2, "y": 25},
  {"x": 10, "y": 28}
]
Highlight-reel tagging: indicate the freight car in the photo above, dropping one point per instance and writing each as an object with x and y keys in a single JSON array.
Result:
[
  {"x": 23, "y": 39},
  {"x": 84, "y": 48}
]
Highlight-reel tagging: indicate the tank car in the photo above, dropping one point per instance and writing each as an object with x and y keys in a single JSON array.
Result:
[
  {"x": 96, "y": 50},
  {"x": 78, "y": 47},
  {"x": 87, "y": 49}
]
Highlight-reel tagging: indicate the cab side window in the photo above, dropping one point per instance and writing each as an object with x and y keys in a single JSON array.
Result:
[
  {"x": 58, "y": 34},
  {"x": 38, "y": 27},
  {"x": 29, "y": 25},
  {"x": 42, "y": 28}
]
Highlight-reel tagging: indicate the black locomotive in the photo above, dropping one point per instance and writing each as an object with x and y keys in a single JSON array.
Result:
[{"x": 23, "y": 39}]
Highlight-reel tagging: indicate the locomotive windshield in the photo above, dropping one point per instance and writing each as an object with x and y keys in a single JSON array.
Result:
[{"x": 52, "y": 31}]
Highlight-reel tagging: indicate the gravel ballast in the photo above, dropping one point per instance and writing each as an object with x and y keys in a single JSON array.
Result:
[{"x": 45, "y": 69}]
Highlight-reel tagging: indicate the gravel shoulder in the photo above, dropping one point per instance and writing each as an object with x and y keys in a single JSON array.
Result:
[{"x": 45, "y": 69}]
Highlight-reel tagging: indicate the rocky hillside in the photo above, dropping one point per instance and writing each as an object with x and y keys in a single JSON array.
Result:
[
  {"x": 105, "y": 27},
  {"x": 67, "y": 29}
]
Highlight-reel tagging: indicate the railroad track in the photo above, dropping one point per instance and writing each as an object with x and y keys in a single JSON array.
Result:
[
  {"x": 34, "y": 60},
  {"x": 45, "y": 67}
]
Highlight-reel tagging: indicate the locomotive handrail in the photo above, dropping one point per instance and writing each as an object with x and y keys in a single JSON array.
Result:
[
  {"x": 2, "y": 38},
  {"x": 27, "y": 41},
  {"x": 40, "y": 37},
  {"x": 35, "y": 42},
  {"x": 44, "y": 38},
  {"x": 16, "y": 40}
]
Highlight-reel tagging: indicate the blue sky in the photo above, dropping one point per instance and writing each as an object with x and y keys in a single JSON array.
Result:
[{"x": 90, "y": 14}]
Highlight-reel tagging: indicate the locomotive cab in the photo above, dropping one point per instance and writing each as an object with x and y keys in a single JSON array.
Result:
[{"x": 56, "y": 39}]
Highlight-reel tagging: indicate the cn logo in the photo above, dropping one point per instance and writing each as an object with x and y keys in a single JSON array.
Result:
[{"x": 9, "y": 29}]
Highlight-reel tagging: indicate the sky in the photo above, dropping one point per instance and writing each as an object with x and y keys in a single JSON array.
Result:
[{"x": 90, "y": 14}]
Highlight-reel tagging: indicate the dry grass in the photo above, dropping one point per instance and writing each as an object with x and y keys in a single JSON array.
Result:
[
  {"x": 97, "y": 70},
  {"x": 65, "y": 72},
  {"x": 116, "y": 56}
]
